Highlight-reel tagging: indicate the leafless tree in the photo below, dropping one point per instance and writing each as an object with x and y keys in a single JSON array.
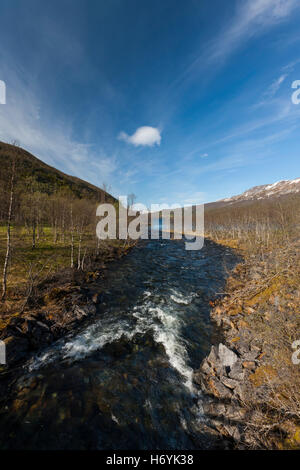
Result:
[{"x": 8, "y": 232}]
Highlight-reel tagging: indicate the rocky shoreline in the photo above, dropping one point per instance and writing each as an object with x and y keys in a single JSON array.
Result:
[
  {"x": 233, "y": 378},
  {"x": 248, "y": 381},
  {"x": 66, "y": 301},
  {"x": 224, "y": 379},
  {"x": 33, "y": 331}
]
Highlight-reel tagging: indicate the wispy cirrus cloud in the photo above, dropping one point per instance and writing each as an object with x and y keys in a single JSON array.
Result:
[
  {"x": 268, "y": 96},
  {"x": 251, "y": 18},
  {"x": 23, "y": 118},
  {"x": 245, "y": 152},
  {"x": 274, "y": 87}
]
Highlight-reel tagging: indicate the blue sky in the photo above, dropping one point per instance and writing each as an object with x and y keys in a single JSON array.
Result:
[{"x": 177, "y": 102}]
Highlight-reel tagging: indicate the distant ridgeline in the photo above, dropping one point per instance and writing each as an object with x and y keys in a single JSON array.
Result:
[{"x": 36, "y": 176}]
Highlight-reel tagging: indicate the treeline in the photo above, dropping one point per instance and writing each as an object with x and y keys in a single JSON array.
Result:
[
  {"x": 257, "y": 224},
  {"x": 42, "y": 210}
]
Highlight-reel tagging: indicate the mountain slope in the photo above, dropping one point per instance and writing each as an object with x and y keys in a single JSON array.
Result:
[
  {"x": 267, "y": 190},
  {"x": 45, "y": 178},
  {"x": 270, "y": 193}
]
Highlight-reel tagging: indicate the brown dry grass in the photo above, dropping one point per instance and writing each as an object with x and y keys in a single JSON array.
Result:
[{"x": 262, "y": 295}]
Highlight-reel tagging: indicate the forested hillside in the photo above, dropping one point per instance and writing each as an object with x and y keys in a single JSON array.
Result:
[
  {"x": 47, "y": 223},
  {"x": 37, "y": 176}
]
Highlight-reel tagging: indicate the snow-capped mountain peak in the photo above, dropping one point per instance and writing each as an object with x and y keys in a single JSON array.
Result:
[{"x": 268, "y": 190}]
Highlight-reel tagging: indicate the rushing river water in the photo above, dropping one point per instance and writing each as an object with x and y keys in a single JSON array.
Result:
[{"x": 125, "y": 381}]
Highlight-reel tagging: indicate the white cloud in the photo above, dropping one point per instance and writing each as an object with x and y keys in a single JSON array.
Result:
[{"x": 145, "y": 135}]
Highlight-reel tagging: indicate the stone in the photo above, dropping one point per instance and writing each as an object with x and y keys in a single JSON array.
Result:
[
  {"x": 220, "y": 370},
  {"x": 14, "y": 328},
  {"x": 235, "y": 412},
  {"x": 232, "y": 431},
  {"x": 230, "y": 383},
  {"x": 251, "y": 355},
  {"x": 16, "y": 349},
  {"x": 241, "y": 391},
  {"x": 243, "y": 346},
  {"x": 218, "y": 389},
  {"x": 237, "y": 372},
  {"x": 226, "y": 356},
  {"x": 249, "y": 365},
  {"x": 205, "y": 367},
  {"x": 197, "y": 378},
  {"x": 213, "y": 356},
  {"x": 38, "y": 333},
  {"x": 84, "y": 311}
]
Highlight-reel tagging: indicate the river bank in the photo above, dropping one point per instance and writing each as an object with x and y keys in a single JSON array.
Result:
[
  {"x": 58, "y": 306},
  {"x": 107, "y": 384},
  {"x": 147, "y": 329},
  {"x": 250, "y": 383}
]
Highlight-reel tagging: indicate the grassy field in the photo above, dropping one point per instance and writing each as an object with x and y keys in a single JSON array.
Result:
[{"x": 30, "y": 267}]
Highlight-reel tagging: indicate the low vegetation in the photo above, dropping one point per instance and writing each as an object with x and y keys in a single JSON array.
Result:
[
  {"x": 262, "y": 298},
  {"x": 47, "y": 226}
]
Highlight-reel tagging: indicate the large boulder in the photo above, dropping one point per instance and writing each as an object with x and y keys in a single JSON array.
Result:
[
  {"x": 13, "y": 328},
  {"x": 16, "y": 348},
  {"x": 226, "y": 356},
  {"x": 37, "y": 332},
  {"x": 216, "y": 388}
]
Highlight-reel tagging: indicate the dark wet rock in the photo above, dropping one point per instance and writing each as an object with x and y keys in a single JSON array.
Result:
[
  {"x": 14, "y": 328},
  {"x": 37, "y": 330},
  {"x": 84, "y": 310},
  {"x": 16, "y": 349},
  {"x": 119, "y": 348},
  {"x": 198, "y": 378},
  {"x": 37, "y": 333},
  {"x": 74, "y": 316}
]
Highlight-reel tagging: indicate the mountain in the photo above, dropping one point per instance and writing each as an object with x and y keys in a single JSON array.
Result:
[
  {"x": 43, "y": 177},
  {"x": 285, "y": 189},
  {"x": 264, "y": 191}
]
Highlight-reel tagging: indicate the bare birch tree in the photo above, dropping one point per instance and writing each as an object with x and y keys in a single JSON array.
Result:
[{"x": 8, "y": 236}]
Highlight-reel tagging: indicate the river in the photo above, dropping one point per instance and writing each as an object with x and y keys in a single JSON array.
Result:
[{"x": 125, "y": 380}]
